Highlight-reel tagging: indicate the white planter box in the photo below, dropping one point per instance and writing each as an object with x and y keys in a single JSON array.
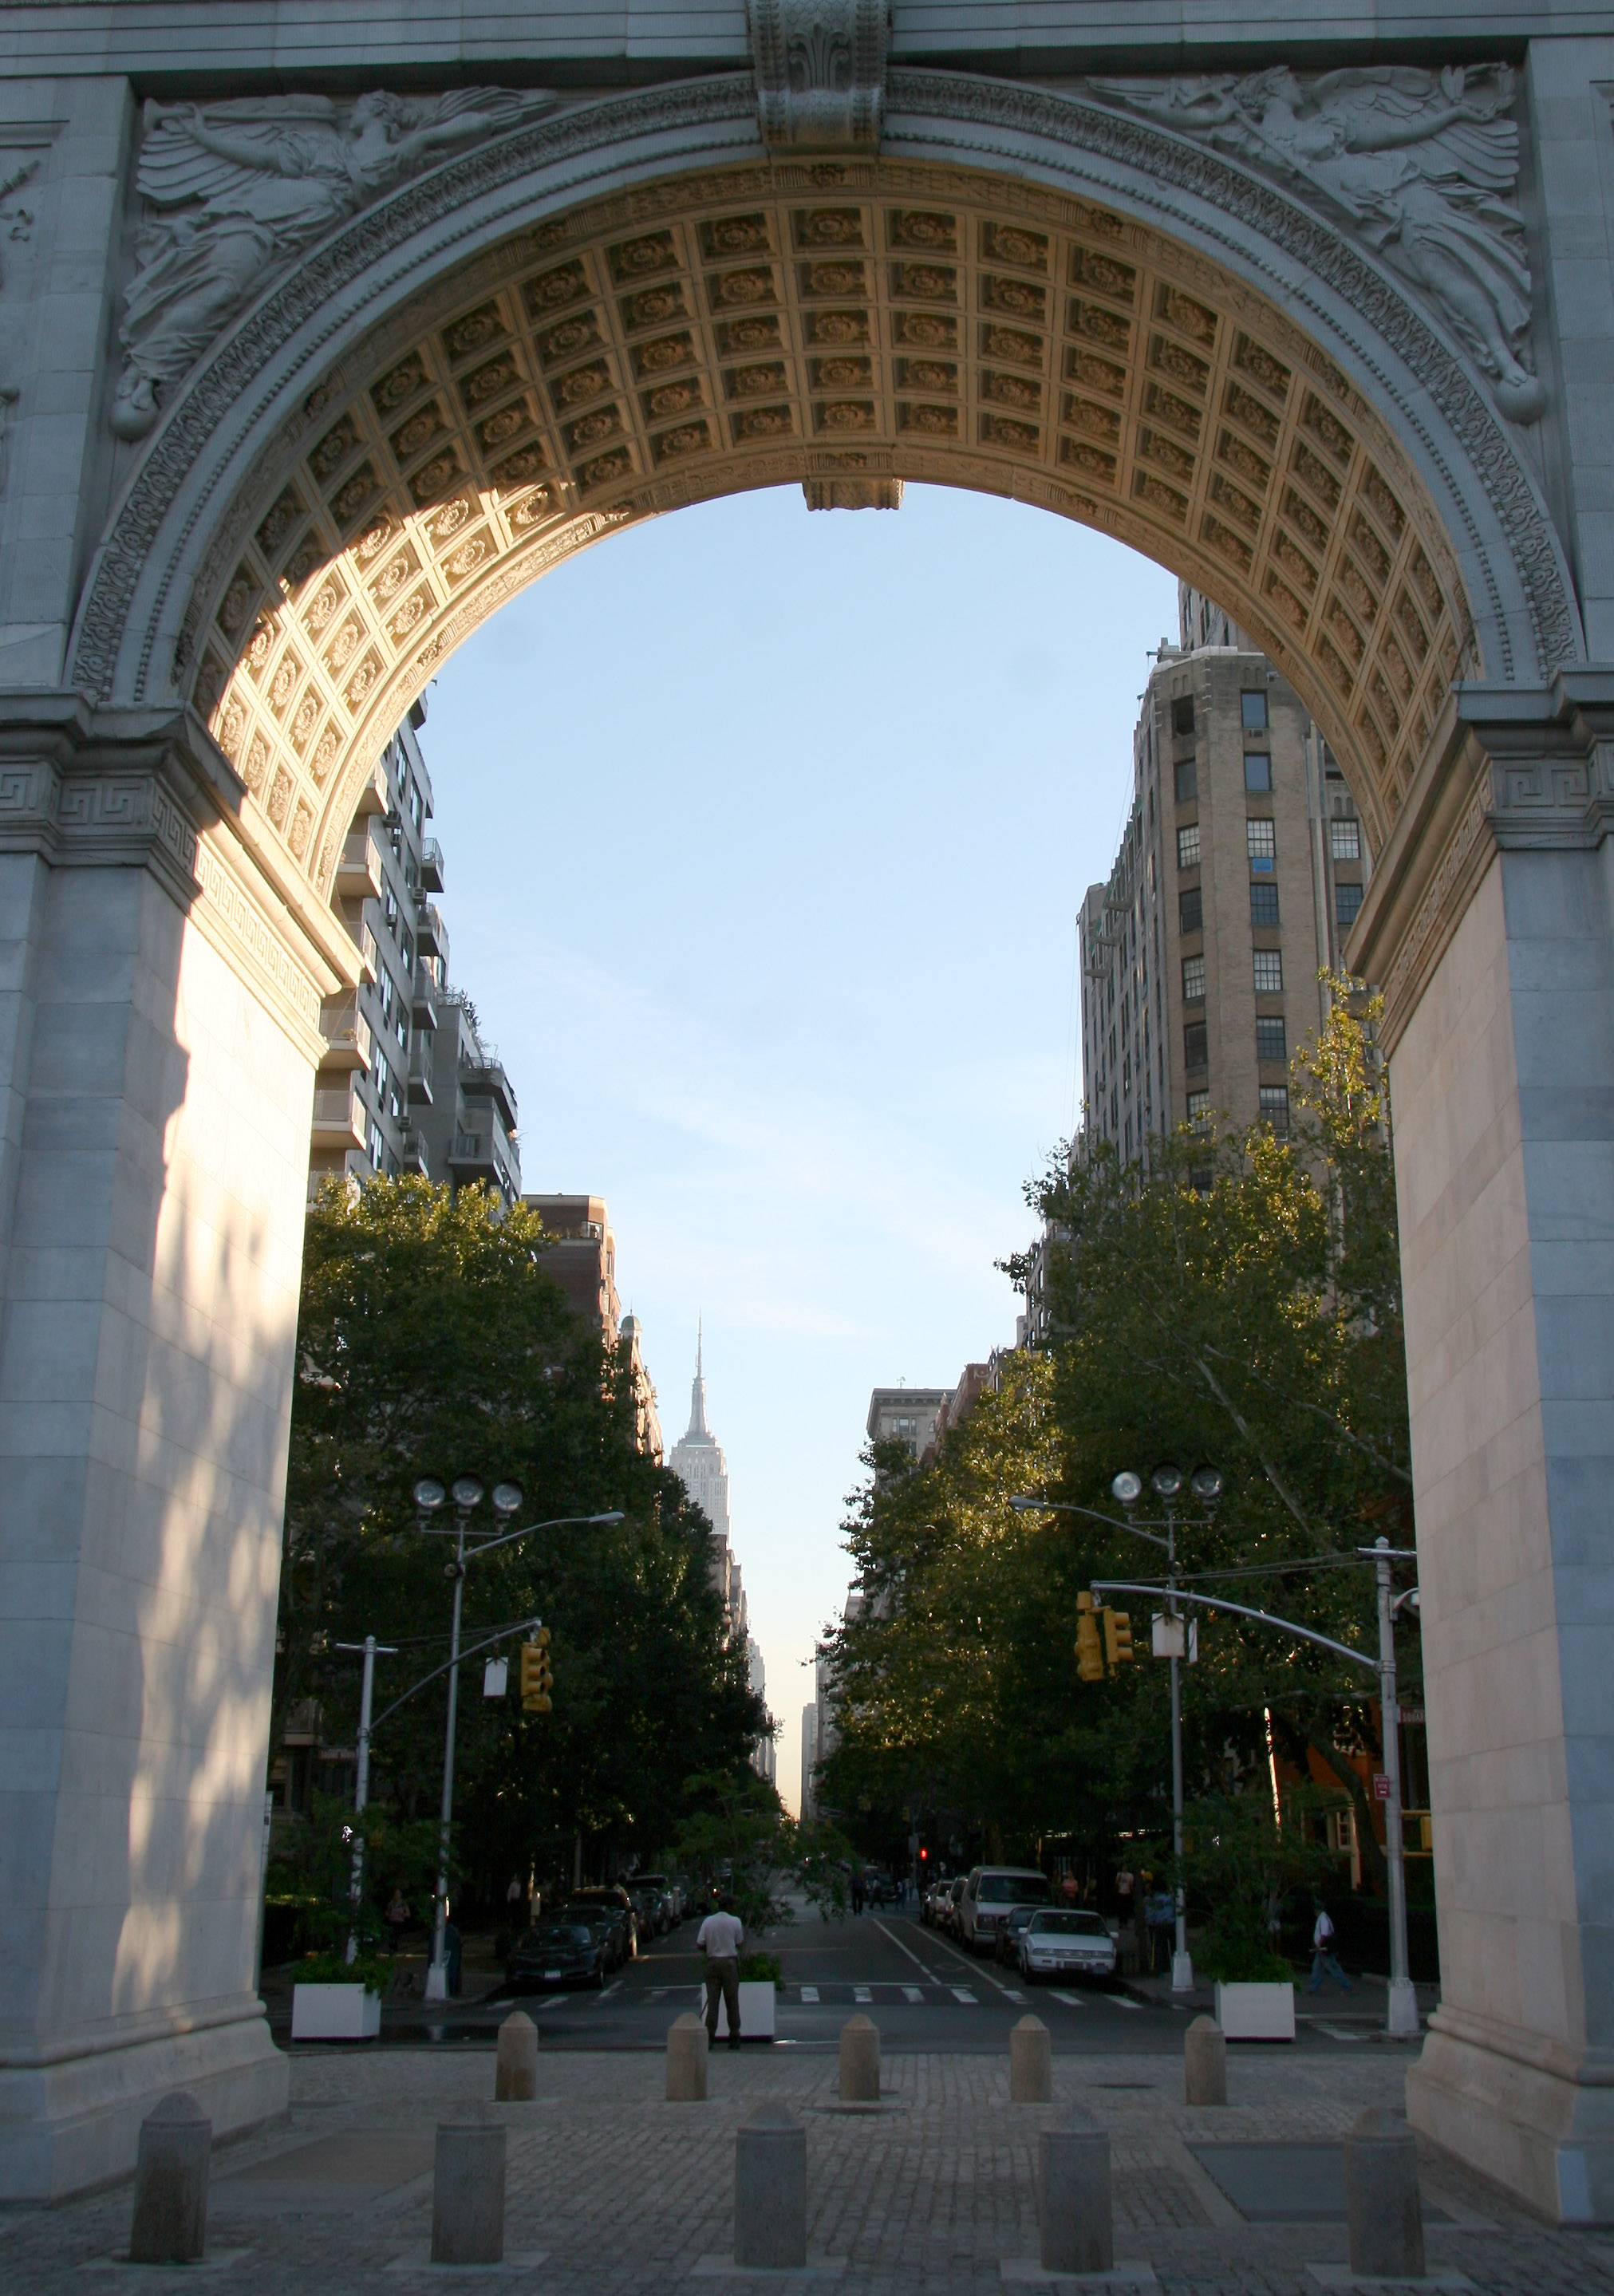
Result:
[
  {"x": 336, "y": 2013},
  {"x": 1257, "y": 2013},
  {"x": 757, "y": 2003}
]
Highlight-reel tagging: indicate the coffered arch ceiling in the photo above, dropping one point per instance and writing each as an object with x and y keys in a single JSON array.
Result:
[{"x": 846, "y": 326}]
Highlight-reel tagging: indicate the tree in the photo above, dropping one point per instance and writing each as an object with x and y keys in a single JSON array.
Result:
[{"x": 431, "y": 1340}]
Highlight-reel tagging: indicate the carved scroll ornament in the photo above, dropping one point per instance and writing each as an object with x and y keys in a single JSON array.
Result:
[
  {"x": 1422, "y": 166},
  {"x": 821, "y": 68},
  {"x": 235, "y": 191}
]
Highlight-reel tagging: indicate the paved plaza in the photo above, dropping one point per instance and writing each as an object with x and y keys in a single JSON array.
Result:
[{"x": 610, "y": 2189}]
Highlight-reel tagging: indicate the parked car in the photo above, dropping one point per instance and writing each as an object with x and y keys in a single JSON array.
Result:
[
  {"x": 612, "y": 1906},
  {"x": 557, "y": 1953},
  {"x": 947, "y": 1910},
  {"x": 650, "y": 1904},
  {"x": 989, "y": 1893},
  {"x": 1010, "y": 1930},
  {"x": 1058, "y": 1941},
  {"x": 672, "y": 1894},
  {"x": 930, "y": 1903}
]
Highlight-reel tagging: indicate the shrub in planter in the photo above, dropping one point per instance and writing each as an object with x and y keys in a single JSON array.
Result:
[
  {"x": 371, "y": 1969},
  {"x": 761, "y": 1969}
]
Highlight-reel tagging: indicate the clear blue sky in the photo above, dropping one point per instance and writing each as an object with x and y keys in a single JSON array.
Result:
[{"x": 765, "y": 835}]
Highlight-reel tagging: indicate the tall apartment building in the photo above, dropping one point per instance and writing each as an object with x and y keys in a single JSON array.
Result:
[
  {"x": 906, "y": 1415},
  {"x": 405, "y": 1084},
  {"x": 808, "y": 1807},
  {"x": 1240, "y": 873},
  {"x": 582, "y": 1258}
]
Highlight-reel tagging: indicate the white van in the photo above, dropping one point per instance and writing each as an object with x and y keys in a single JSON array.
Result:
[{"x": 989, "y": 1892}]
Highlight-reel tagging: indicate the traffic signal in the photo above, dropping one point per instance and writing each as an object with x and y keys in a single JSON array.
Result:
[
  {"x": 1089, "y": 1652},
  {"x": 1117, "y": 1636},
  {"x": 537, "y": 1679}
]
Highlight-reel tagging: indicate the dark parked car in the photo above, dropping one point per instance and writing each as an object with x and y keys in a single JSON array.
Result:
[
  {"x": 649, "y": 1904},
  {"x": 670, "y": 1891},
  {"x": 930, "y": 1903},
  {"x": 557, "y": 1953},
  {"x": 947, "y": 1905},
  {"x": 1009, "y": 1935},
  {"x": 611, "y": 1914}
]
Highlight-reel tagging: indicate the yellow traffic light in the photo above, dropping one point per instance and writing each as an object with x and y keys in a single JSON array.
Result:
[
  {"x": 537, "y": 1679},
  {"x": 1089, "y": 1655},
  {"x": 1117, "y": 1636}
]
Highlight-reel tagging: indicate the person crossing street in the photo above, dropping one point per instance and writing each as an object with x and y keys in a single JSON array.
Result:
[
  {"x": 1324, "y": 1961},
  {"x": 720, "y": 1937}
]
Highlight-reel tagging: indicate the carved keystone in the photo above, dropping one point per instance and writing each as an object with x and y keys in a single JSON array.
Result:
[{"x": 821, "y": 72}]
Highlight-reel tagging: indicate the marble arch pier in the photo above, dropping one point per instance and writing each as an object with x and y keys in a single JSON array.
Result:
[{"x": 321, "y": 336}]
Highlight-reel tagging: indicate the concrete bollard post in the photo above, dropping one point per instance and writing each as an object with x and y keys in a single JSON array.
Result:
[
  {"x": 860, "y": 2062},
  {"x": 467, "y": 2192},
  {"x": 515, "y": 2076},
  {"x": 1383, "y": 2206},
  {"x": 1073, "y": 2200},
  {"x": 770, "y": 2190},
  {"x": 1205, "y": 2062},
  {"x": 1030, "y": 2064},
  {"x": 170, "y": 2222},
  {"x": 686, "y": 2048}
]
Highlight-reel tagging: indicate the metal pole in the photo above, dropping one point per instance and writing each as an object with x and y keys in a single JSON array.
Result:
[
  {"x": 1181, "y": 1965},
  {"x": 436, "y": 1975},
  {"x": 1402, "y": 2022}
]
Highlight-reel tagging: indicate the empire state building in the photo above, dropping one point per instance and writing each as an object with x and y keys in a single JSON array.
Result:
[{"x": 697, "y": 1460}]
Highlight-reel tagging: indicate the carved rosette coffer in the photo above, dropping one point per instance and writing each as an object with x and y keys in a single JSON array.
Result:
[{"x": 821, "y": 72}]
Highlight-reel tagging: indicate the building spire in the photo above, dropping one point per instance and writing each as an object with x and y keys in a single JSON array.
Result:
[{"x": 697, "y": 1427}]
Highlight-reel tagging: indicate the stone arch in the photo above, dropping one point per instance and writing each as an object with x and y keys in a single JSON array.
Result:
[{"x": 1033, "y": 295}]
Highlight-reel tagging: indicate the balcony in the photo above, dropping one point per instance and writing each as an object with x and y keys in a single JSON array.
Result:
[
  {"x": 412, "y": 1153},
  {"x": 486, "y": 1081},
  {"x": 430, "y": 935},
  {"x": 422, "y": 1002},
  {"x": 486, "y": 1155},
  {"x": 419, "y": 1076},
  {"x": 351, "y": 1170},
  {"x": 374, "y": 797},
  {"x": 338, "y": 1119},
  {"x": 347, "y": 1034},
  {"x": 358, "y": 871},
  {"x": 431, "y": 866}
]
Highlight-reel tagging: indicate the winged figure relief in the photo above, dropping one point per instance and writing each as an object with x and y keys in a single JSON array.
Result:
[
  {"x": 1422, "y": 165},
  {"x": 234, "y": 191}
]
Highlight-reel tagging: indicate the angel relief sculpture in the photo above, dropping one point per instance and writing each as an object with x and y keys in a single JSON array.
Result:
[
  {"x": 1422, "y": 165},
  {"x": 235, "y": 191}
]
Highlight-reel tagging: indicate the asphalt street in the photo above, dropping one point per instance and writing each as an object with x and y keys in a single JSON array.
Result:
[{"x": 924, "y": 1993}]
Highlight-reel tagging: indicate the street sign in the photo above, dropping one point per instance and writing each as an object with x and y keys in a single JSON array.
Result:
[
  {"x": 1380, "y": 1786},
  {"x": 496, "y": 1674}
]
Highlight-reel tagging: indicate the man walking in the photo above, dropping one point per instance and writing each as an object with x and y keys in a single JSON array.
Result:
[
  {"x": 1324, "y": 1962},
  {"x": 720, "y": 1937}
]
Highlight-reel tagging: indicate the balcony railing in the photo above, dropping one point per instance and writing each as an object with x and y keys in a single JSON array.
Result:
[
  {"x": 358, "y": 873},
  {"x": 339, "y": 1118},
  {"x": 348, "y": 1040},
  {"x": 431, "y": 866},
  {"x": 430, "y": 934}
]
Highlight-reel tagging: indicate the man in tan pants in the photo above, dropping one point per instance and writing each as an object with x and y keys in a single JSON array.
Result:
[{"x": 720, "y": 1937}]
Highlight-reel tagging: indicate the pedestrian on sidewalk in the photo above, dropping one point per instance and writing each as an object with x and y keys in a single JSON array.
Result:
[
  {"x": 1324, "y": 1961},
  {"x": 859, "y": 1893},
  {"x": 720, "y": 1937}
]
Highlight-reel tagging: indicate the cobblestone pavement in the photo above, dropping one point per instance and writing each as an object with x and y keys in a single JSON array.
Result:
[{"x": 620, "y": 2191}]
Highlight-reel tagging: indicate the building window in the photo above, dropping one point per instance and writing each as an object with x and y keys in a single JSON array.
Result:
[
  {"x": 1182, "y": 714},
  {"x": 1188, "y": 847},
  {"x": 1186, "y": 778},
  {"x": 1253, "y": 706},
  {"x": 1195, "y": 1044},
  {"x": 1198, "y": 1108},
  {"x": 1263, "y": 905},
  {"x": 1258, "y": 772},
  {"x": 1347, "y": 900},
  {"x": 1191, "y": 913},
  {"x": 1270, "y": 1040},
  {"x": 1193, "y": 980},
  {"x": 1274, "y": 1106},
  {"x": 1345, "y": 839},
  {"x": 1269, "y": 970},
  {"x": 1261, "y": 837}
]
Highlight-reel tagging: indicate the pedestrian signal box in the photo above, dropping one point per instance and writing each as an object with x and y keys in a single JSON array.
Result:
[
  {"x": 1117, "y": 1636},
  {"x": 538, "y": 1680},
  {"x": 1089, "y": 1651}
]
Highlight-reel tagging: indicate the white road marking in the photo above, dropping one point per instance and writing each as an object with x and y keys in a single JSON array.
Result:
[
  {"x": 974, "y": 1967},
  {"x": 552, "y": 2001},
  {"x": 658, "y": 1992},
  {"x": 1010, "y": 1994},
  {"x": 1336, "y": 2032},
  {"x": 912, "y": 1956},
  {"x": 809, "y": 1993},
  {"x": 616, "y": 1987},
  {"x": 963, "y": 1993},
  {"x": 1070, "y": 2000},
  {"x": 861, "y": 1992},
  {"x": 1125, "y": 2001},
  {"x": 912, "y": 1993}
]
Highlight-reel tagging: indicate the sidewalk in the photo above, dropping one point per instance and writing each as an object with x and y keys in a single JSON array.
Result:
[
  {"x": 1363, "y": 2005},
  {"x": 621, "y": 2192}
]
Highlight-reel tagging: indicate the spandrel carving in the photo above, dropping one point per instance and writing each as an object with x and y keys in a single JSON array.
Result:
[
  {"x": 1422, "y": 166},
  {"x": 235, "y": 191}
]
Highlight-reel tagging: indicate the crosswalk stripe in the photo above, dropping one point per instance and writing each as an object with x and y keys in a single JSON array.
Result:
[
  {"x": 861, "y": 1992},
  {"x": 1070, "y": 2000},
  {"x": 963, "y": 1993},
  {"x": 1010, "y": 1994},
  {"x": 1125, "y": 2001},
  {"x": 658, "y": 1992},
  {"x": 809, "y": 1993},
  {"x": 912, "y": 1993},
  {"x": 1338, "y": 2032}
]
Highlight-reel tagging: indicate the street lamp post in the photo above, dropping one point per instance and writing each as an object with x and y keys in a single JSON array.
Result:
[
  {"x": 372, "y": 1650},
  {"x": 467, "y": 1492},
  {"x": 1403, "y": 2018}
]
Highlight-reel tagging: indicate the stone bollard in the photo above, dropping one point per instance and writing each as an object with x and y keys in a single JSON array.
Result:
[
  {"x": 770, "y": 2191},
  {"x": 1073, "y": 2205},
  {"x": 1382, "y": 2203},
  {"x": 1030, "y": 2064},
  {"x": 1205, "y": 2062},
  {"x": 515, "y": 2075},
  {"x": 686, "y": 2047},
  {"x": 860, "y": 2062},
  {"x": 467, "y": 2192},
  {"x": 170, "y": 2224}
]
